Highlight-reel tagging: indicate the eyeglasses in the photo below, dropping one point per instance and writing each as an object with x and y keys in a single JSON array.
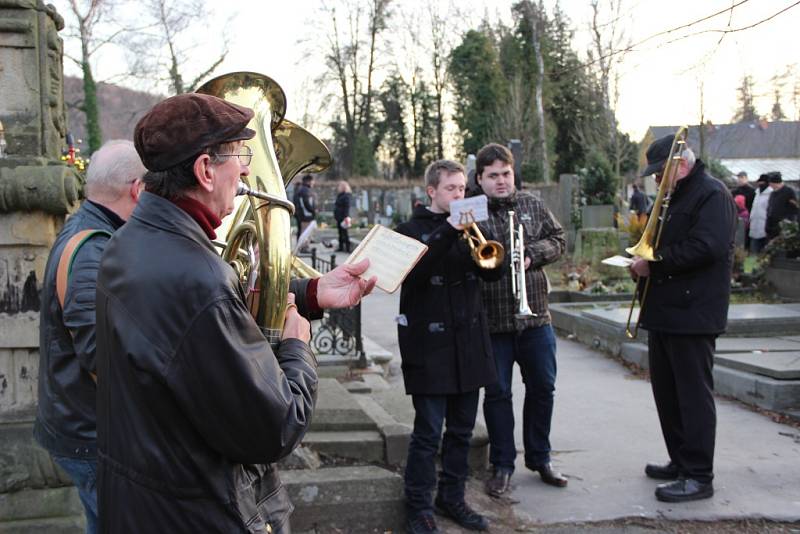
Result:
[{"x": 245, "y": 158}]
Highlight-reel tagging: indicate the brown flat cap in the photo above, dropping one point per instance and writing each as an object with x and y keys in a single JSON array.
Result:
[{"x": 183, "y": 125}]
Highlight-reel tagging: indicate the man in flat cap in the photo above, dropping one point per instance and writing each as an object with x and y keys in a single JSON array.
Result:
[
  {"x": 193, "y": 405},
  {"x": 685, "y": 310}
]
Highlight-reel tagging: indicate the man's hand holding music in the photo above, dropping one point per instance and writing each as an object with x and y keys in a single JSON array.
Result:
[{"x": 343, "y": 287}]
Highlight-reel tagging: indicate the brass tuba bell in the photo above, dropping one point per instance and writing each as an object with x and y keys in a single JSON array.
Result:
[{"x": 258, "y": 241}]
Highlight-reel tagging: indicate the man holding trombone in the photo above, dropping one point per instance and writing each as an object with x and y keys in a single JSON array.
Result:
[
  {"x": 519, "y": 321},
  {"x": 684, "y": 269}
]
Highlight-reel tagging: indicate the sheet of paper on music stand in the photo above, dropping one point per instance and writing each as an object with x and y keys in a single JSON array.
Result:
[
  {"x": 618, "y": 261},
  {"x": 391, "y": 256},
  {"x": 469, "y": 210}
]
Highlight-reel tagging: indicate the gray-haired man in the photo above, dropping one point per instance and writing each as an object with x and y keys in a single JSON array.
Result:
[{"x": 66, "y": 419}]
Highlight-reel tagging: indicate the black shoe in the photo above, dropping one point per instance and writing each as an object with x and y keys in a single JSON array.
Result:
[
  {"x": 662, "y": 472},
  {"x": 499, "y": 483},
  {"x": 422, "y": 524},
  {"x": 462, "y": 514},
  {"x": 554, "y": 478},
  {"x": 684, "y": 490}
]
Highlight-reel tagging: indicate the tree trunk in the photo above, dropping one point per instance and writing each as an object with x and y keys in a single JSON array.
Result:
[{"x": 537, "y": 50}]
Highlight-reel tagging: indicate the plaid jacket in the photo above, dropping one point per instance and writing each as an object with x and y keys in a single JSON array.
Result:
[{"x": 544, "y": 243}]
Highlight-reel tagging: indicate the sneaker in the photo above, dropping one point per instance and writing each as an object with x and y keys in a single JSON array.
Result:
[
  {"x": 462, "y": 514},
  {"x": 422, "y": 524}
]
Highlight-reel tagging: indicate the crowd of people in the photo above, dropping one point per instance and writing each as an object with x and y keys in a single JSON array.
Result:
[
  {"x": 761, "y": 209},
  {"x": 162, "y": 399}
]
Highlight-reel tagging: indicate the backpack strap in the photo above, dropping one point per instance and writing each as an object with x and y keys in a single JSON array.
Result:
[{"x": 68, "y": 256}]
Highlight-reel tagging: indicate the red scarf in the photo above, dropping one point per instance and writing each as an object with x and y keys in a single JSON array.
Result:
[{"x": 200, "y": 213}]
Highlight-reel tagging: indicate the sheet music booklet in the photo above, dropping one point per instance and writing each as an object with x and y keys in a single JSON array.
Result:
[{"x": 391, "y": 256}]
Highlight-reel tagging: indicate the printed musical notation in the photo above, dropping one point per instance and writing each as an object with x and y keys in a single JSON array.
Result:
[{"x": 391, "y": 256}]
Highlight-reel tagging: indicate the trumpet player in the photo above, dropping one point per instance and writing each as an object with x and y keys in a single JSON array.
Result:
[
  {"x": 525, "y": 338},
  {"x": 193, "y": 405},
  {"x": 686, "y": 308},
  {"x": 444, "y": 345}
]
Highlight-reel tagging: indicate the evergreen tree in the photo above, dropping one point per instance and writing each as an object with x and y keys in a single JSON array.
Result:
[
  {"x": 479, "y": 88},
  {"x": 747, "y": 109}
]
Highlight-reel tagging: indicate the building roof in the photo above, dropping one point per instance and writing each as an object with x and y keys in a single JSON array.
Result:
[
  {"x": 745, "y": 140},
  {"x": 788, "y": 167}
]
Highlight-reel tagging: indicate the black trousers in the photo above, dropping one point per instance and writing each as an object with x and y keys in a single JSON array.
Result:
[{"x": 683, "y": 387}]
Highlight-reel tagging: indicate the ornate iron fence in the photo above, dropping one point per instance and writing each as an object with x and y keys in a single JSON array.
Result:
[{"x": 339, "y": 332}]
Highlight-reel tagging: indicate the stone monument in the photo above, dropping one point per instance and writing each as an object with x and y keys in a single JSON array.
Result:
[{"x": 37, "y": 191}]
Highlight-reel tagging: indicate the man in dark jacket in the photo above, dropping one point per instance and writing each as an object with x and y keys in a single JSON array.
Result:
[
  {"x": 782, "y": 204},
  {"x": 685, "y": 310},
  {"x": 193, "y": 404},
  {"x": 745, "y": 189},
  {"x": 638, "y": 202},
  {"x": 528, "y": 341},
  {"x": 444, "y": 344},
  {"x": 65, "y": 416}
]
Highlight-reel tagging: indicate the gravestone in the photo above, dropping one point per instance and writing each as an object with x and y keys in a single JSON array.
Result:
[{"x": 36, "y": 192}]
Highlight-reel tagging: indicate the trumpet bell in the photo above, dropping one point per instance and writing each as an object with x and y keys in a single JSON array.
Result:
[{"x": 488, "y": 255}]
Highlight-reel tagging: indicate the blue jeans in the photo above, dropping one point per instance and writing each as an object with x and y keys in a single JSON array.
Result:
[
  {"x": 83, "y": 473},
  {"x": 431, "y": 411},
  {"x": 534, "y": 349}
]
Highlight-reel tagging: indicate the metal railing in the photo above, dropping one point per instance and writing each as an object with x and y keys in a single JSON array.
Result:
[{"x": 339, "y": 332}]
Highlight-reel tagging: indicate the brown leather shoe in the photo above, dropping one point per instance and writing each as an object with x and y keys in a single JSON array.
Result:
[
  {"x": 554, "y": 478},
  {"x": 499, "y": 484}
]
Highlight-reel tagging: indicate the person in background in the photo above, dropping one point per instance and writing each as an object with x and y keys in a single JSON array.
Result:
[
  {"x": 782, "y": 204},
  {"x": 638, "y": 202},
  {"x": 305, "y": 205},
  {"x": 744, "y": 216},
  {"x": 66, "y": 420},
  {"x": 745, "y": 189},
  {"x": 341, "y": 213},
  {"x": 758, "y": 216}
]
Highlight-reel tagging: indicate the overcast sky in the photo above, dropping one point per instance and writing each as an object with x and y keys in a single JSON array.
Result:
[{"x": 659, "y": 81}]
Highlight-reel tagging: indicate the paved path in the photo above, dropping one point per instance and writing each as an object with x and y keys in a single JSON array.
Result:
[{"x": 605, "y": 429}]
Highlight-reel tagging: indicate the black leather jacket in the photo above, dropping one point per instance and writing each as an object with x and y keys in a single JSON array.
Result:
[
  {"x": 193, "y": 405},
  {"x": 65, "y": 416}
]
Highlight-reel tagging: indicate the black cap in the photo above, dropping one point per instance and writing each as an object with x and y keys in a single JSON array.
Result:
[
  {"x": 657, "y": 154},
  {"x": 774, "y": 177},
  {"x": 763, "y": 178}
]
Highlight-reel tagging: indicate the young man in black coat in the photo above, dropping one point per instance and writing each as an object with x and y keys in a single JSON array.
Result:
[
  {"x": 782, "y": 204},
  {"x": 686, "y": 309},
  {"x": 446, "y": 352}
]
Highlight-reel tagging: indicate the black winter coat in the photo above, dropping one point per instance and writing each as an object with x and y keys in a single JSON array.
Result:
[
  {"x": 192, "y": 403},
  {"x": 65, "y": 414},
  {"x": 445, "y": 344},
  {"x": 690, "y": 287},
  {"x": 341, "y": 208}
]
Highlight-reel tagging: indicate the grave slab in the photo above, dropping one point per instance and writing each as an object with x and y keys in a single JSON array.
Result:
[
  {"x": 778, "y": 365},
  {"x": 337, "y": 410},
  {"x": 761, "y": 344}
]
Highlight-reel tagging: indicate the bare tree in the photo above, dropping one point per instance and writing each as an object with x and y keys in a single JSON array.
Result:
[
  {"x": 162, "y": 51},
  {"x": 89, "y": 18},
  {"x": 442, "y": 29},
  {"x": 609, "y": 44},
  {"x": 352, "y": 38}
]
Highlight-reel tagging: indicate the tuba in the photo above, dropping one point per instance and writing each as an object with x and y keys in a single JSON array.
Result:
[
  {"x": 651, "y": 236},
  {"x": 258, "y": 238}
]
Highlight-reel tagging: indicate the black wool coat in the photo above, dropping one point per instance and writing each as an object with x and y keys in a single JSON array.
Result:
[
  {"x": 442, "y": 328},
  {"x": 690, "y": 286}
]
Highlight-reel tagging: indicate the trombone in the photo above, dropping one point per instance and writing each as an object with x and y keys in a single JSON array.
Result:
[
  {"x": 651, "y": 237},
  {"x": 519, "y": 286}
]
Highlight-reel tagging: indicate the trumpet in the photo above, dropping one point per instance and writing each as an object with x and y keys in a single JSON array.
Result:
[
  {"x": 519, "y": 287},
  {"x": 488, "y": 254}
]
